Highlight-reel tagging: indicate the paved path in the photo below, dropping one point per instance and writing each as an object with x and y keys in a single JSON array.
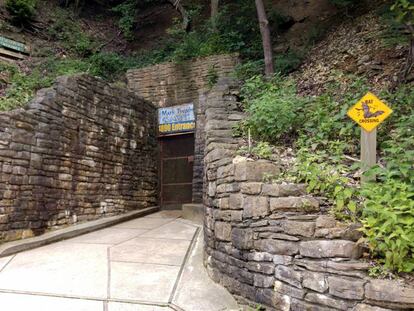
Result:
[{"x": 152, "y": 263}]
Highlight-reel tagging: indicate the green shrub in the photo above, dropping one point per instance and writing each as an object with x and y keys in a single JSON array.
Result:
[
  {"x": 73, "y": 38},
  {"x": 107, "y": 65},
  {"x": 22, "y": 11},
  {"x": 388, "y": 220},
  {"x": 273, "y": 108}
]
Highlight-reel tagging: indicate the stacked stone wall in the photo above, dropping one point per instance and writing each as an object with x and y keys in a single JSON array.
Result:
[
  {"x": 170, "y": 84},
  {"x": 79, "y": 151},
  {"x": 272, "y": 244}
]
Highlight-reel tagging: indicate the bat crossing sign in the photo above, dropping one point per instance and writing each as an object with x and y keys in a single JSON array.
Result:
[{"x": 369, "y": 112}]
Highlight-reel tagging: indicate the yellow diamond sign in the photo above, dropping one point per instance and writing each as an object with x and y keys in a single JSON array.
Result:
[{"x": 369, "y": 112}]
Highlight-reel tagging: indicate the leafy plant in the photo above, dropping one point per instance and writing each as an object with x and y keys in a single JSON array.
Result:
[
  {"x": 273, "y": 108},
  {"x": 22, "y": 11},
  {"x": 72, "y": 36},
  {"x": 212, "y": 76},
  {"x": 388, "y": 220},
  {"x": 261, "y": 150}
]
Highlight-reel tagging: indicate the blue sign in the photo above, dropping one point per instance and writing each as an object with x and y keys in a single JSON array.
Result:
[{"x": 176, "y": 119}]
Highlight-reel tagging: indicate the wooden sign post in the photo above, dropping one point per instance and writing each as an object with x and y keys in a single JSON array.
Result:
[
  {"x": 369, "y": 112},
  {"x": 368, "y": 152}
]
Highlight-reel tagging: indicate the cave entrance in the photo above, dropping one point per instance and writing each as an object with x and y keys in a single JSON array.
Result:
[
  {"x": 176, "y": 170},
  {"x": 176, "y": 143}
]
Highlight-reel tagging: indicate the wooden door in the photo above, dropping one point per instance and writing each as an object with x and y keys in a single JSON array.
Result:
[{"x": 176, "y": 170}]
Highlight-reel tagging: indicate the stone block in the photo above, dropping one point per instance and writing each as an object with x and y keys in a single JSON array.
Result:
[
  {"x": 261, "y": 267},
  {"x": 260, "y": 256},
  {"x": 301, "y": 228},
  {"x": 365, "y": 307},
  {"x": 274, "y": 299},
  {"x": 255, "y": 206},
  {"x": 348, "y": 288},
  {"x": 330, "y": 249},
  {"x": 386, "y": 291},
  {"x": 242, "y": 238},
  {"x": 251, "y": 188},
  {"x": 261, "y": 280},
  {"x": 255, "y": 170},
  {"x": 277, "y": 247},
  {"x": 328, "y": 301},
  {"x": 222, "y": 231},
  {"x": 288, "y": 290},
  {"x": 300, "y": 204},
  {"x": 235, "y": 201},
  {"x": 325, "y": 221},
  {"x": 315, "y": 281},
  {"x": 282, "y": 260},
  {"x": 289, "y": 275}
]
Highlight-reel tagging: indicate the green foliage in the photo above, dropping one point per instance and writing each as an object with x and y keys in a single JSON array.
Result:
[
  {"x": 287, "y": 62},
  {"x": 212, "y": 76},
  {"x": 261, "y": 150},
  {"x": 404, "y": 10},
  {"x": 127, "y": 11},
  {"x": 73, "y": 37},
  {"x": 107, "y": 65},
  {"x": 395, "y": 33},
  {"x": 22, "y": 87},
  {"x": 388, "y": 221},
  {"x": 22, "y": 11},
  {"x": 273, "y": 108},
  {"x": 327, "y": 148}
]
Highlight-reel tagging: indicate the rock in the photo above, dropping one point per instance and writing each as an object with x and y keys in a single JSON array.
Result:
[
  {"x": 330, "y": 248},
  {"x": 284, "y": 190},
  {"x": 328, "y": 301},
  {"x": 277, "y": 236},
  {"x": 260, "y": 256},
  {"x": 251, "y": 188},
  {"x": 225, "y": 171},
  {"x": 365, "y": 307},
  {"x": 242, "y": 238},
  {"x": 271, "y": 298},
  {"x": 254, "y": 207},
  {"x": 282, "y": 260},
  {"x": 289, "y": 275},
  {"x": 255, "y": 171},
  {"x": 265, "y": 268},
  {"x": 235, "y": 201},
  {"x": 223, "y": 231},
  {"x": 261, "y": 280},
  {"x": 299, "y": 305},
  {"x": 303, "y": 204},
  {"x": 291, "y": 291},
  {"x": 301, "y": 228},
  {"x": 390, "y": 291},
  {"x": 325, "y": 221},
  {"x": 348, "y": 288},
  {"x": 277, "y": 247},
  {"x": 315, "y": 281}
]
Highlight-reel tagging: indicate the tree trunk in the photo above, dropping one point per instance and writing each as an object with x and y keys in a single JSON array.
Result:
[
  {"x": 179, "y": 7},
  {"x": 214, "y": 13},
  {"x": 267, "y": 42},
  {"x": 214, "y": 8}
]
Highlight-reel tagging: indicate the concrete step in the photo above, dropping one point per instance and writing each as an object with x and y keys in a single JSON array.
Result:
[{"x": 193, "y": 212}]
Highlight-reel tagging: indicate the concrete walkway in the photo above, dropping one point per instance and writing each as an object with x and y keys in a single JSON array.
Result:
[{"x": 152, "y": 263}]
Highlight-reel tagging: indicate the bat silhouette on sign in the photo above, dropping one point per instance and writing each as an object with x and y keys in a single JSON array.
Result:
[{"x": 367, "y": 112}]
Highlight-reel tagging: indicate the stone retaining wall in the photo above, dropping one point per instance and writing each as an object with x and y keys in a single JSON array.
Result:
[
  {"x": 170, "y": 84},
  {"x": 79, "y": 151},
  {"x": 270, "y": 243}
]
